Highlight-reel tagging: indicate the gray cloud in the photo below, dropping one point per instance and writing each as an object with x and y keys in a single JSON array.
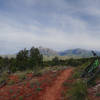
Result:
[{"x": 57, "y": 24}]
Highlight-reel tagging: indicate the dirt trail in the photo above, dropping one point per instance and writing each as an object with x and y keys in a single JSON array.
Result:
[{"x": 54, "y": 92}]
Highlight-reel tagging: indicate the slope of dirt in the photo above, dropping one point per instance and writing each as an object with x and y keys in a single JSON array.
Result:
[{"x": 54, "y": 92}]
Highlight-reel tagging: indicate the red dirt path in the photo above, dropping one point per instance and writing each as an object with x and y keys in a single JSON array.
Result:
[
  {"x": 51, "y": 84},
  {"x": 54, "y": 92}
]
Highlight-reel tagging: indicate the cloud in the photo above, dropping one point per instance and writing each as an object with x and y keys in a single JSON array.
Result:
[{"x": 57, "y": 24}]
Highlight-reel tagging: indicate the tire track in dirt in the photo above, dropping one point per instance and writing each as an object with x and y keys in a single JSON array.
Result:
[{"x": 54, "y": 92}]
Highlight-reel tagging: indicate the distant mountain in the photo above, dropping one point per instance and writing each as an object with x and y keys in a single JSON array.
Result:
[
  {"x": 48, "y": 52},
  {"x": 77, "y": 53},
  {"x": 43, "y": 51}
]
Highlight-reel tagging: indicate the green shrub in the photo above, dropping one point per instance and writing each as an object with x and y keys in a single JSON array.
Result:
[
  {"x": 13, "y": 69},
  {"x": 32, "y": 85},
  {"x": 24, "y": 83},
  {"x": 39, "y": 89},
  {"x": 11, "y": 91},
  {"x": 98, "y": 94},
  {"x": 14, "y": 96},
  {"x": 21, "y": 98},
  {"x": 11, "y": 82},
  {"x": 66, "y": 84},
  {"x": 76, "y": 75},
  {"x": 37, "y": 83},
  {"x": 92, "y": 83},
  {"x": 3, "y": 77},
  {"x": 78, "y": 91},
  {"x": 22, "y": 77},
  {"x": 1, "y": 80},
  {"x": 37, "y": 73}
]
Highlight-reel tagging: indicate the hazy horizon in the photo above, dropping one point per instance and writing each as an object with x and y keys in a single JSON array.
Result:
[
  {"x": 63, "y": 50},
  {"x": 55, "y": 24}
]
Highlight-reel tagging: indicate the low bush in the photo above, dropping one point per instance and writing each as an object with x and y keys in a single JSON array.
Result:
[
  {"x": 11, "y": 82},
  {"x": 22, "y": 77},
  {"x": 3, "y": 78},
  {"x": 11, "y": 91},
  {"x": 14, "y": 97},
  {"x": 98, "y": 94},
  {"x": 39, "y": 89},
  {"x": 78, "y": 91},
  {"x": 65, "y": 84},
  {"x": 21, "y": 98},
  {"x": 76, "y": 75},
  {"x": 32, "y": 85},
  {"x": 37, "y": 83},
  {"x": 37, "y": 74}
]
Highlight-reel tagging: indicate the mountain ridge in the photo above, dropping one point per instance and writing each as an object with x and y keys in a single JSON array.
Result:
[{"x": 78, "y": 52}]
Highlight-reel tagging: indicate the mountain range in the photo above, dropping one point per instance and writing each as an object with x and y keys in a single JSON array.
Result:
[
  {"x": 78, "y": 52},
  {"x": 72, "y": 53}
]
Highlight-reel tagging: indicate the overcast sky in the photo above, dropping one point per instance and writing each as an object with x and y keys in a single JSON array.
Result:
[{"x": 56, "y": 24}]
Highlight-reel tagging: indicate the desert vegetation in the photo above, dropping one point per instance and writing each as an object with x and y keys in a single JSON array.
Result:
[
  {"x": 33, "y": 60},
  {"x": 28, "y": 71}
]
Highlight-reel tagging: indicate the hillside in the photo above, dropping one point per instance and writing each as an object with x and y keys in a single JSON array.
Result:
[{"x": 78, "y": 53}]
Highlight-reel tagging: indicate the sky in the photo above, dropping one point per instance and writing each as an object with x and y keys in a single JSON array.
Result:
[{"x": 56, "y": 24}]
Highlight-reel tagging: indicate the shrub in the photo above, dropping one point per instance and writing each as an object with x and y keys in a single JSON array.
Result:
[
  {"x": 37, "y": 83},
  {"x": 98, "y": 94},
  {"x": 65, "y": 84},
  {"x": 14, "y": 96},
  {"x": 24, "y": 83},
  {"x": 78, "y": 91},
  {"x": 21, "y": 98},
  {"x": 2, "y": 80},
  {"x": 3, "y": 77},
  {"x": 11, "y": 82},
  {"x": 39, "y": 89},
  {"x": 11, "y": 91},
  {"x": 32, "y": 85},
  {"x": 22, "y": 77},
  {"x": 92, "y": 83},
  {"x": 76, "y": 75},
  {"x": 37, "y": 74}
]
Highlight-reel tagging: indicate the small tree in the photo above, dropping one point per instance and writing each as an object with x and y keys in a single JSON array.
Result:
[
  {"x": 1, "y": 64},
  {"x": 6, "y": 63},
  {"x": 36, "y": 59},
  {"x": 13, "y": 63},
  {"x": 22, "y": 59},
  {"x": 55, "y": 61}
]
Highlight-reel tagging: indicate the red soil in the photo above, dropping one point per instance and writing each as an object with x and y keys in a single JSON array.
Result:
[
  {"x": 54, "y": 92},
  {"x": 50, "y": 83}
]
